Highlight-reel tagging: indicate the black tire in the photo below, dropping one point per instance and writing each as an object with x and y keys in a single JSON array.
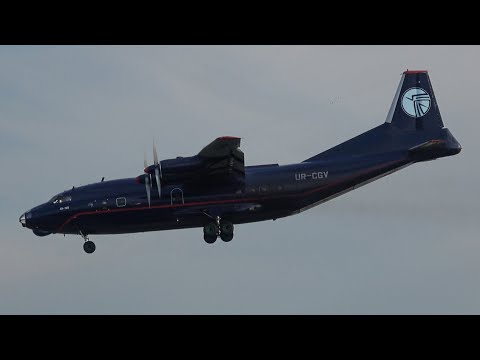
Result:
[
  {"x": 89, "y": 247},
  {"x": 211, "y": 229},
  {"x": 226, "y": 228},
  {"x": 226, "y": 237},
  {"x": 209, "y": 239}
]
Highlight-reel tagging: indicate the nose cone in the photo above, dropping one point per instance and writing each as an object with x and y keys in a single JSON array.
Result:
[{"x": 23, "y": 220}]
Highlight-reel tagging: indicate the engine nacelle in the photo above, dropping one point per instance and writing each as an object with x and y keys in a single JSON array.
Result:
[{"x": 181, "y": 169}]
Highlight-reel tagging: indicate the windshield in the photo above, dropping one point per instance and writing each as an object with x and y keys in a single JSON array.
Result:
[{"x": 59, "y": 199}]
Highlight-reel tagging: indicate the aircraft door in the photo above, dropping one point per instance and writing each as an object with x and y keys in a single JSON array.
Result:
[{"x": 176, "y": 196}]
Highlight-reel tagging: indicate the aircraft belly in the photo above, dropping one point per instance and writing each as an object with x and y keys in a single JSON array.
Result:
[
  {"x": 117, "y": 222},
  {"x": 123, "y": 222}
]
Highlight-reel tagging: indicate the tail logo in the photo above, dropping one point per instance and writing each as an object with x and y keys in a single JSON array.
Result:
[{"x": 415, "y": 102}]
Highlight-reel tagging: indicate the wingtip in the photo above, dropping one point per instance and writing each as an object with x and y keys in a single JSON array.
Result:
[
  {"x": 415, "y": 71},
  {"x": 228, "y": 137}
]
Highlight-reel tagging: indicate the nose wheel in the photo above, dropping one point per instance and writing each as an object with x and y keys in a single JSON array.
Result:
[
  {"x": 88, "y": 246},
  {"x": 219, "y": 228}
]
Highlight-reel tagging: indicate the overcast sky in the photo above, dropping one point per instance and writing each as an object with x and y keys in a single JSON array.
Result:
[{"x": 69, "y": 115}]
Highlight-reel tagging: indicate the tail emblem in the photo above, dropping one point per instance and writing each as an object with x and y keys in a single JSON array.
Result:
[{"x": 416, "y": 102}]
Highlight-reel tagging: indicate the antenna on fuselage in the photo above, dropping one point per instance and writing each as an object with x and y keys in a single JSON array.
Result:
[{"x": 103, "y": 178}]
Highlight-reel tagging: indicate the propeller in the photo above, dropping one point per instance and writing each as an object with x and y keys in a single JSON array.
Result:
[
  {"x": 158, "y": 170},
  {"x": 147, "y": 177},
  {"x": 147, "y": 186}
]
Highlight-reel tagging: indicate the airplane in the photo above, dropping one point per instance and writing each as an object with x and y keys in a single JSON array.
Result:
[{"x": 214, "y": 190}]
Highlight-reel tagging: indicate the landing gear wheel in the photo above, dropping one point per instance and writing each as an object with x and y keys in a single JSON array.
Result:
[
  {"x": 221, "y": 228},
  {"x": 226, "y": 237},
  {"x": 226, "y": 231},
  {"x": 210, "y": 230},
  {"x": 89, "y": 247},
  {"x": 209, "y": 239},
  {"x": 226, "y": 228}
]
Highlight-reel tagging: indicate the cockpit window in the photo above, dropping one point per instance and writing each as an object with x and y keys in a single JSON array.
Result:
[{"x": 60, "y": 199}]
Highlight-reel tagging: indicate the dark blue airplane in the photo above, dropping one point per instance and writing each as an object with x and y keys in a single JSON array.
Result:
[{"x": 215, "y": 190}]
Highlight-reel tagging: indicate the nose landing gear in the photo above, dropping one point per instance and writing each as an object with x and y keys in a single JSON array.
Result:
[
  {"x": 88, "y": 246},
  {"x": 221, "y": 228}
]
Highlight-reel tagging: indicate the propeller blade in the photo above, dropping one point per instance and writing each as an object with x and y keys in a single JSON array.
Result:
[
  {"x": 147, "y": 187},
  {"x": 160, "y": 169},
  {"x": 157, "y": 177},
  {"x": 155, "y": 156}
]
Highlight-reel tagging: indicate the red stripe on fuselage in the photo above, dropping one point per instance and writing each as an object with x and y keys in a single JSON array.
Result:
[{"x": 199, "y": 203}]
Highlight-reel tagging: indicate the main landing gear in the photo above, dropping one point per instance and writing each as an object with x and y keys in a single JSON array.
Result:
[
  {"x": 88, "y": 246},
  {"x": 221, "y": 228}
]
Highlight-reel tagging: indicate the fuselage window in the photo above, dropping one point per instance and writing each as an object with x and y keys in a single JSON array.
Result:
[
  {"x": 121, "y": 202},
  {"x": 263, "y": 188}
]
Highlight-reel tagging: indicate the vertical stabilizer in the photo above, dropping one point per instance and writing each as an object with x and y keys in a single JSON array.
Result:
[{"x": 414, "y": 106}]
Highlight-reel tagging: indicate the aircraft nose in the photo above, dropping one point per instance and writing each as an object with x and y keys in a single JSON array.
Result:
[{"x": 23, "y": 219}]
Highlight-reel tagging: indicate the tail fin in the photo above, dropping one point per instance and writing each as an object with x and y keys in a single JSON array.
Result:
[
  {"x": 414, "y": 106},
  {"x": 414, "y": 119}
]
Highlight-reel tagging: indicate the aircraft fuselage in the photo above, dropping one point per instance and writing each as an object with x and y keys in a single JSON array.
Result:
[{"x": 268, "y": 192}]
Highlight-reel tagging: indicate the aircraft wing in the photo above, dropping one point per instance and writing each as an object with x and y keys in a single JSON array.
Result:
[{"x": 222, "y": 157}]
